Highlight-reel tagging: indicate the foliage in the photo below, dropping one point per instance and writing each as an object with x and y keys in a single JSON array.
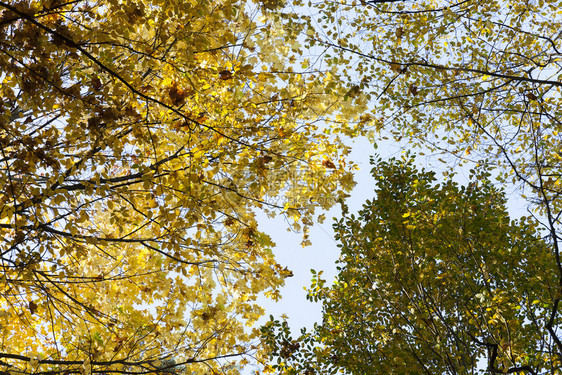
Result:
[
  {"x": 138, "y": 140},
  {"x": 435, "y": 279},
  {"x": 470, "y": 79},
  {"x": 476, "y": 82}
]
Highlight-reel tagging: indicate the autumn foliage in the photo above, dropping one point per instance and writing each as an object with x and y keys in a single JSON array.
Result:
[{"x": 138, "y": 140}]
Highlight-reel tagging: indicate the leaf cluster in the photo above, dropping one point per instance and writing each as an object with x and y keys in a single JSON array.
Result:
[
  {"x": 138, "y": 140},
  {"x": 433, "y": 278}
]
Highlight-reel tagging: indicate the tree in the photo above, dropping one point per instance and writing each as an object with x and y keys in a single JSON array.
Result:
[
  {"x": 138, "y": 139},
  {"x": 476, "y": 81},
  {"x": 433, "y": 279}
]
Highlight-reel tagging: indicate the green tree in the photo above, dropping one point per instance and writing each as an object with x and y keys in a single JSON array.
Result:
[
  {"x": 433, "y": 279},
  {"x": 472, "y": 80},
  {"x": 138, "y": 139}
]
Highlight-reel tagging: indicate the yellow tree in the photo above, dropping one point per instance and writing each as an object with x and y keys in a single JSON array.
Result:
[{"x": 138, "y": 139}]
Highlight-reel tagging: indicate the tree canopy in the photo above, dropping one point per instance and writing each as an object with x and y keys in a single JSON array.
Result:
[
  {"x": 476, "y": 82},
  {"x": 138, "y": 140},
  {"x": 433, "y": 279}
]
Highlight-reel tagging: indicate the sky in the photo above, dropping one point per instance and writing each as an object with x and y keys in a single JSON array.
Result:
[{"x": 323, "y": 253}]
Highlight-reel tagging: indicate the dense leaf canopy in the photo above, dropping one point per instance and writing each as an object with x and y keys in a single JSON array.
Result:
[
  {"x": 477, "y": 82},
  {"x": 138, "y": 139},
  {"x": 433, "y": 279}
]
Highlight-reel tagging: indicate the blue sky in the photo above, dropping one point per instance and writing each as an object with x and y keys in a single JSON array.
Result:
[{"x": 323, "y": 252}]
